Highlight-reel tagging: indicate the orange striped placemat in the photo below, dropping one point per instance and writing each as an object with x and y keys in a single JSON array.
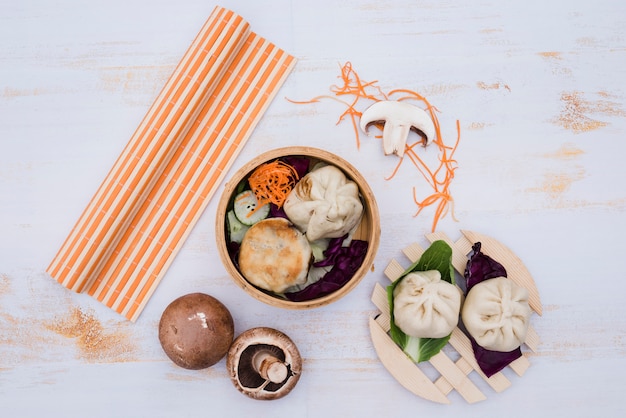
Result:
[{"x": 130, "y": 231}]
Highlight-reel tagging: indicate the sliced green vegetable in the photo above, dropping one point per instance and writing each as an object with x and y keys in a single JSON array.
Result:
[
  {"x": 317, "y": 249},
  {"x": 247, "y": 209},
  {"x": 437, "y": 257},
  {"x": 236, "y": 230}
]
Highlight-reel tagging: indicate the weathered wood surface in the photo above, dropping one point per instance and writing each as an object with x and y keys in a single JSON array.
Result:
[{"x": 537, "y": 87}]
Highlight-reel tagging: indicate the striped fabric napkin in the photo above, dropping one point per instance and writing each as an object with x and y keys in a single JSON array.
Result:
[{"x": 130, "y": 232}]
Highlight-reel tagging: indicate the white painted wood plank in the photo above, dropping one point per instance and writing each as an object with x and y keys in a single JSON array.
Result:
[{"x": 537, "y": 88}]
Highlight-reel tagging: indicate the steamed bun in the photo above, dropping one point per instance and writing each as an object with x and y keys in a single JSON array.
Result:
[
  {"x": 425, "y": 306},
  {"x": 324, "y": 204},
  {"x": 496, "y": 314}
]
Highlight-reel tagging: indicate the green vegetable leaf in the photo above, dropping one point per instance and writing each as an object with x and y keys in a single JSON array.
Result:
[
  {"x": 437, "y": 257},
  {"x": 422, "y": 349}
]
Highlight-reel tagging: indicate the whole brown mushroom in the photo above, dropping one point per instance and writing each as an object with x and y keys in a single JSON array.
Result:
[
  {"x": 264, "y": 363},
  {"x": 196, "y": 331}
]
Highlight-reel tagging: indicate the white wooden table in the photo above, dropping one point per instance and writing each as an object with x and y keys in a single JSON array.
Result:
[{"x": 538, "y": 88}]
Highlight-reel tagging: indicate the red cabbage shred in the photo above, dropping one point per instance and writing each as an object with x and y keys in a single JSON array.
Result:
[
  {"x": 300, "y": 164},
  {"x": 345, "y": 262}
]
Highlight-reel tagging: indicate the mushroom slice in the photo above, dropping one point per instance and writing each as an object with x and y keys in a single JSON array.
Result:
[
  {"x": 264, "y": 363},
  {"x": 398, "y": 118}
]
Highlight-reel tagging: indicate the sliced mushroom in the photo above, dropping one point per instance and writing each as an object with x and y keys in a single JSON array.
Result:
[
  {"x": 264, "y": 363},
  {"x": 399, "y": 118}
]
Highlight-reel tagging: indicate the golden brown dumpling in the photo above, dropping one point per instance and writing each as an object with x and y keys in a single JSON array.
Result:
[{"x": 274, "y": 255}]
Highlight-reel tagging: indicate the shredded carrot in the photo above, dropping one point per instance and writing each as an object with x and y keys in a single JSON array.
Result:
[
  {"x": 353, "y": 91},
  {"x": 271, "y": 182}
]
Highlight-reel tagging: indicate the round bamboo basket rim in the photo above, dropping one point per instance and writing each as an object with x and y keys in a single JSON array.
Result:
[{"x": 370, "y": 226}]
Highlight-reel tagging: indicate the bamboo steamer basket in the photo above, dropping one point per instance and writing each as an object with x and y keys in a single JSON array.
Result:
[{"x": 368, "y": 230}]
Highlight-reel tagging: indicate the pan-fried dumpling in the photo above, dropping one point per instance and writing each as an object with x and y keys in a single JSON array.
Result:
[
  {"x": 496, "y": 314},
  {"x": 324, "y": 204},
  {"x": 274, "y": 255},
  {"x": 425, "y": 306}
]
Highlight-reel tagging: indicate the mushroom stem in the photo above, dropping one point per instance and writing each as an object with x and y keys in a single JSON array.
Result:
[{"x": 269, "y": 367}]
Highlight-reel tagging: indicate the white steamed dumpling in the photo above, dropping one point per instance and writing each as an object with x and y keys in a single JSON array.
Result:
[
  {"x": 324, "y": 204},
  {"x": 496, "y": 313},
  {"x": 425, "y": 306}
]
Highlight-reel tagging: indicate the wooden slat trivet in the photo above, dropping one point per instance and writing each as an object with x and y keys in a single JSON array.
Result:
[{"x": 453, "y": 375}]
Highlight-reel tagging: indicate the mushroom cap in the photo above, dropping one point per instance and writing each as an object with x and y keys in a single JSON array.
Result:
[
  {"x": 241, "y": 359},
  {"x": 399, "y": 118},
  {"x": 196, "y": 331},
  {"x": 402, "y": 112}
]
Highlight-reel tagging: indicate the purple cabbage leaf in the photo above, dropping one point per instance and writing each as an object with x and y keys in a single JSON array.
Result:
[
  {"x": 481, "y": 267},
  {"x": 491, "y": 362}
]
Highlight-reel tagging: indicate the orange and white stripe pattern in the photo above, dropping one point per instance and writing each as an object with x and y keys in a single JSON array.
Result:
[{"x": 128, "y": 235}]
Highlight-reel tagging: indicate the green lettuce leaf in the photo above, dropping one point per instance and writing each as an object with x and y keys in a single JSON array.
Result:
[{"x": 437, "y": 257}]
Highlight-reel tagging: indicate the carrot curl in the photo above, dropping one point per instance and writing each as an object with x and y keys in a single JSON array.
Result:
[
  {"x": 271, "y": 182},
  {"x": 352, "y": 91}
]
